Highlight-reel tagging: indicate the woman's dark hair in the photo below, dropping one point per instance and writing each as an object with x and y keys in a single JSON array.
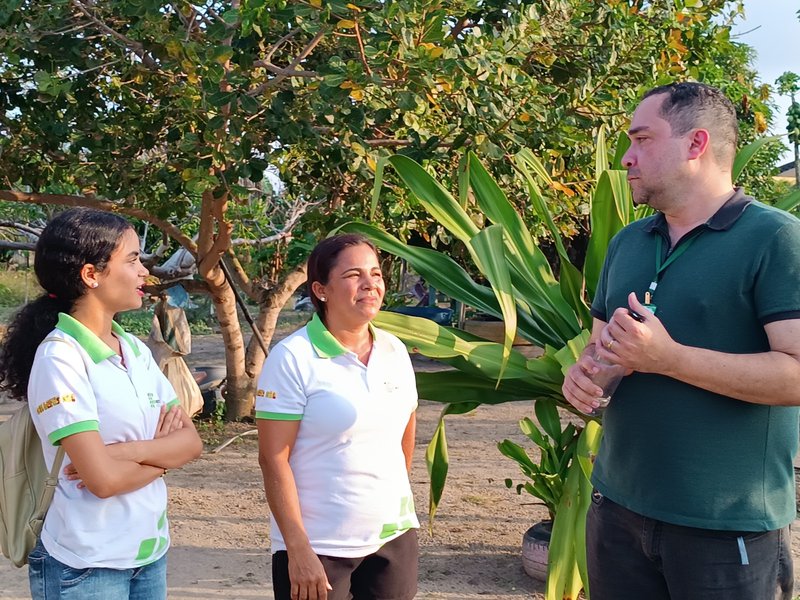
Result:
[
  {"x": 324, "y": 256},
  {"x": 74, "y": 238}
]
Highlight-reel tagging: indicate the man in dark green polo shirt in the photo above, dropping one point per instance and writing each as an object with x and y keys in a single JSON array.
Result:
[{"x": 694, "y": 479}]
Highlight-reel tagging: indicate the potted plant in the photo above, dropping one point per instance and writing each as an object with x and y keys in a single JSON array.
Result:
[
  {"x": 560, "y": 446},
  {"x": 545, "y": 478}
]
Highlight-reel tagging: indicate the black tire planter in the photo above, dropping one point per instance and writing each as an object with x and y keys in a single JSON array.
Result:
[{"x": 535, "y": 547}]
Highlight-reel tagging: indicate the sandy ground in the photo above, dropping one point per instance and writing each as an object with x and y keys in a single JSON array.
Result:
[{"x": 219, "y": 517}]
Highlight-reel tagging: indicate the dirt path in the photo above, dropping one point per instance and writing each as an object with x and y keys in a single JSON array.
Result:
[{"x": 219, "y": 516}]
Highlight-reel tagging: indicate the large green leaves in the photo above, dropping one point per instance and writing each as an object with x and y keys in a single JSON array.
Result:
[
  {"x": 532, "y": 280},
  {"x": 437, "y": 458},
  {"x": 488, "y": 252},
  {"x": 612, "y": 209},
  {"x": 571, "y": 281},
  {"x": 748, "y": 152},
  {"x": 487, "y": 360},
  {"x": 436, "y": 200},
  {"x": 556, "y": 451},
  {"x": 789, "y": 202},
  {"x": 567, "y": 572}
]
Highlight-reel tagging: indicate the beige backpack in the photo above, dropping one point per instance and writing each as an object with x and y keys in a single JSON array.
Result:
[{"x": 27, "y": 488}]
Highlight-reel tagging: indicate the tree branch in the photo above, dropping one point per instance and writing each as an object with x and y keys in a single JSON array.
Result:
[
  {"x": 462, "y": 24},
  {"x": 276, "y": 46},
  {"x": 90, "y": 201},
  {"x": 271, "y": 302},
  {"x": 240, "y": 277},
  {"x": 136, "y": 47},
  {"x": 32, "y": 232},
  {"x": 290, "y": 71},
  {"x": 192, "y": 286},
  {"x": 212, "y": 248},
  {"x": 361, "y": 51},
  {"x": 7, "y": 245},
  {"x": 238, "y": 242}
]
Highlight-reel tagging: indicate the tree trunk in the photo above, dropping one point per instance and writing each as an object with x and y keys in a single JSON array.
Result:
[
  {"x": 238, "y": 390},
  {"x": 797, "y": 165},
  {"x": 243, "y": 369},
  {"x": 270, "y": 307},
  {"x": 213, "y": 240}
]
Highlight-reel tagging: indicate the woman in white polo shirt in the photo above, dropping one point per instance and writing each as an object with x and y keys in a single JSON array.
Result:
[
  {"x": 335, "y": 408},
  {"x": 96, "y": 391}
]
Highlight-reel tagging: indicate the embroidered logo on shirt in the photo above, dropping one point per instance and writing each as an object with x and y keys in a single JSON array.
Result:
[
  {"x": 54, "y": 401},
  {"x": 151, "y": 398},
  {"x": 267, "y": 394}
]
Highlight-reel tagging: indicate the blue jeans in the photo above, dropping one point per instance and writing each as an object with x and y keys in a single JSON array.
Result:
[{"x": 51, "y": 579}]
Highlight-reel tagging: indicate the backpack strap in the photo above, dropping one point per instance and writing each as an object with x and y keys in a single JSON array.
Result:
[{"x": 51, "y": 482}]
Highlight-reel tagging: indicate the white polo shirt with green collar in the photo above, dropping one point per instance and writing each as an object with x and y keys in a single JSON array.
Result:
[
  {"x": 347, "y": 460},
  {"x": 79, "y": 384}
]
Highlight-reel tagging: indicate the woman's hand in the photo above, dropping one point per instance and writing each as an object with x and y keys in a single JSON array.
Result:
[
  {"x": 307, "y": 576},
  {"x": 72, "y": 474},
  {"x": 171, "y": 419}
]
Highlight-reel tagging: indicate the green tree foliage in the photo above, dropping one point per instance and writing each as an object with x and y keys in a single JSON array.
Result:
[{"x": 154, "y": 102}]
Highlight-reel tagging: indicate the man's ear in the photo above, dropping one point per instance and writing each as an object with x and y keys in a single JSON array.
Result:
[{"x": 699, "y": 143}]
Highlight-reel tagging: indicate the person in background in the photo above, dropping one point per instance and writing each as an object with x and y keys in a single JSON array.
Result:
[
  {"x": 335, "y": 407},
  {"x": 694, "y": 482},
  {"x": 96, "y": 391}
]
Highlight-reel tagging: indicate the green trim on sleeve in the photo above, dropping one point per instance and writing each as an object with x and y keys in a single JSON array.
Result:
[
  {"x": 271, "y": 416},
  {"x": 59, "y": 434},
  {"x": 173, "y": 402}
]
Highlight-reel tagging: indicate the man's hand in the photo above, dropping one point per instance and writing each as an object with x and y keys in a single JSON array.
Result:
[
  {"x": 578, "y": 388},
  {"x": 643, "y": 346},
  {"x": 307, "y": 576}
]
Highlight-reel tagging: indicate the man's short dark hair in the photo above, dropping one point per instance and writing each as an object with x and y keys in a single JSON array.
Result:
[{"x": 690, "y": 105}]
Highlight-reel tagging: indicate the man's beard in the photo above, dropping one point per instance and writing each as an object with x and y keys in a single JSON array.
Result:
[
  {"x": 641, "y": 198},
  {"x": 648, "y": 196}
]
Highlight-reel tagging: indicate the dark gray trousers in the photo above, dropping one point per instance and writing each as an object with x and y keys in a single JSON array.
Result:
[{"x": 632, "y": 557}]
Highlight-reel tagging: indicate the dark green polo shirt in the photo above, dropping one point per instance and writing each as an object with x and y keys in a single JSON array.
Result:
[{"x": 675, "y": 452}]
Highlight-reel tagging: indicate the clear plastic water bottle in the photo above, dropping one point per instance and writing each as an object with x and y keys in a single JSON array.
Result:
[{"x": 607, "y": 377}]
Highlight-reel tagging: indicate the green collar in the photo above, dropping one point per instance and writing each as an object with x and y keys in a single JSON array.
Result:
[
  {"x": 325, "y": 345},
  {"x": 97, "y": 350}
]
